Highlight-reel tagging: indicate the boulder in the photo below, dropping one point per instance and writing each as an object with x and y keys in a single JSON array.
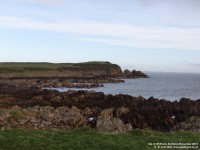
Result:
[
  {"x": 112, "y": 124},
  {"x": 191, "y": 124},
  {"x": 106, "y": 122}
]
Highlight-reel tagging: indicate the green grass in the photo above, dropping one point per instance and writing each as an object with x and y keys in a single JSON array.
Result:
[
  {"x": 88, "y": 139},
  {"x": 43, "y": 66}
]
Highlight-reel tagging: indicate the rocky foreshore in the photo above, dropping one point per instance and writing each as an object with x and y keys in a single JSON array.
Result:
[
  {"x": 46, "y": 117},
  {"x": 42, "y": 109},
  {"x": 57, "y": 83}
]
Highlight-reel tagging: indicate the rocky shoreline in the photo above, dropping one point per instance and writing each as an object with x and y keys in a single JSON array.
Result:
[
  {"x": 25, "y": 103},
  {"x": 69, "y": 75},
  {"x": 69, "y": 82},
  {"x": 43, "y": 109}
]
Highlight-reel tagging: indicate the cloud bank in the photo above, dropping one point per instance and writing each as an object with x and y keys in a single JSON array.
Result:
[{"x": 137, "y": 36}]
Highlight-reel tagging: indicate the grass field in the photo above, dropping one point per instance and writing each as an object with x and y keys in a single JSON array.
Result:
[
  {"x": 43, "y": 66},
  {"x": 89, "y": 139}
]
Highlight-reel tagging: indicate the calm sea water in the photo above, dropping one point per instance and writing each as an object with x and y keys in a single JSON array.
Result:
[{"x": 170, "y": 86}]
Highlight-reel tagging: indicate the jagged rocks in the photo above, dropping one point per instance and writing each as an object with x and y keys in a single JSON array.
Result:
[
  {"x": 112, "y": 124},
  {"x": 134, "y": 74},
  {"x": 191, "y": 124},
  {"x": 42, "y": 118},
  {"x": 56, "y": 83},
  {"x": 61, "y": 118},
  {"x": 140, "y": 112},
  {"x": 107, "y": 123}
]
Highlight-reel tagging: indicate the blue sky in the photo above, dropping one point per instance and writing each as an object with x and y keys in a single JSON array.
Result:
[{"x": 148, "y": 35}]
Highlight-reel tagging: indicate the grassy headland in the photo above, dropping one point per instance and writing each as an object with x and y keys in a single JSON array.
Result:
[
  {"x": 58, "y": 69},
  {"x": 44, "y": 66}
]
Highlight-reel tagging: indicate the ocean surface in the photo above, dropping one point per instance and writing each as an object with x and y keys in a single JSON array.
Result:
[{"x": 170, "y": 86}]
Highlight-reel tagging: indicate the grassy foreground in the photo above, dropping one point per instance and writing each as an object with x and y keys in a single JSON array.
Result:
[{"x": 88, "y": 139}]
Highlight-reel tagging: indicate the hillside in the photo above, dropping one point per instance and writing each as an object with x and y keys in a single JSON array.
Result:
[{"x": 43, "y": 69}]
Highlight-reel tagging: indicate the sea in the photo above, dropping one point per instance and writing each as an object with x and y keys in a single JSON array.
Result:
[{"x": 169, "y": 86}]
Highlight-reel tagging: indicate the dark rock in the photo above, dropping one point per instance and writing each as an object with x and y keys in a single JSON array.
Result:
[
  {"x": 134, "y": 74},
  {"x": 191, "y": 124},
  {"x": 137, "y": 111}
]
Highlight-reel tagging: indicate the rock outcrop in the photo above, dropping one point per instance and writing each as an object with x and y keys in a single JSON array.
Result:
[
  {"x": 137, "y": 111},
  {"x": 107, "y": 123},
  {"x": 191, "y": 124},
  {"x": 42, "y": 118},
  {"x": 134, "y": 74},
  {"x": 56, "y": 83}
]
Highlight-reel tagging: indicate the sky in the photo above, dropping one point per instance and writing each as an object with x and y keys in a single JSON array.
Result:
[{"x": 147, "y": 35}]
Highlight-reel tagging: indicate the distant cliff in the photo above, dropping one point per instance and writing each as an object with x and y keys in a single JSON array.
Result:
[
  {"x": 66, "y": 70},
  {"x": 86, "y": 69}
]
